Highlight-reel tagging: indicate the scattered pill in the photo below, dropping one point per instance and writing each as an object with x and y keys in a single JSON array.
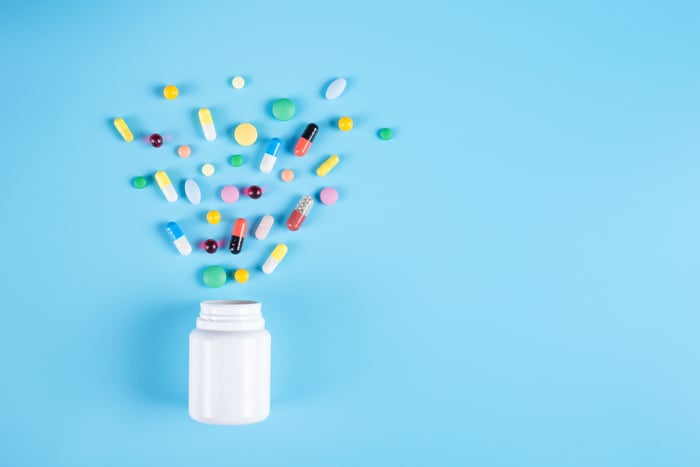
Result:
[
  {"x": 207, "y": 123},
  {"x": 229, "y": 194},
  {"x": 254, "y": 191},
  {"x": 345, "y": 124},
  {"x": 298, "y": 215},
  {"x": 307, "y": 137},
  {"x": 214, "y": 276},
  {"x": 238, "y": 235},
  {"x": 328, "y": 165},
  {"x": 283, "y": 109},
  {"x": 385, "y": 133},
  {"x": 214, "y": 217},
  {"x": 210, "y": 246},
  {"x": 184, "y": 151},
  {"x": 264, "y": 226},
  {"x": 241, "y": 275},
  {"x": 275, "y": 258},
  {"x": 329, "y": 196},
  {"x": 192, "y": 192},
  {"x": 166, "y": 186},
  {"x": 123, "y": 129},
  {"x": 270, "y": 156},
  {"x": 336, "y": 88},
  {"x": 178, "y": 238},
  {"x": 208, "y": 170},
  {"x": 139, "y": 182},
  {"x": 238, "y": 82},
  {"x": 245, "y": 134},
  {"x": 287, "y": 175},
  {"x": 156, "y": 140},
  {"x": 170, "y": 92},
  {"x": 236, "y": 160}
]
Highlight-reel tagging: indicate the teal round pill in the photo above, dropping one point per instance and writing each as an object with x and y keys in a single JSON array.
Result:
[
  {"x": 214, "y": 276},
  {"x": 236, "y": 160},
  {"x": 283, "y": 109},
  {"x": 139, "y": 182},
  {"x": 385, "y": 134}
]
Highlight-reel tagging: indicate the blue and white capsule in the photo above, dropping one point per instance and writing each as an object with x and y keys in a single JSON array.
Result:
[
  {"x": 179, "y": 240},
  {"x": 270, "y": 156}
]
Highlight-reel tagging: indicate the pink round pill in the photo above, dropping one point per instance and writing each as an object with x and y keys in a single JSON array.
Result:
[
  {"x": 229, "y": 194},
  {"x": 329, "y": 196}
]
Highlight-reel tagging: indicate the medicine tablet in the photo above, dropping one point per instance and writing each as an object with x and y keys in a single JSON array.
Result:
[
  {"x": 329, "y": 196},
  {"x": 245, "y": 134},
  {"x": 236, "y": 160},
  {"x": 241, "y": 275},
  {"x": 170, "y": 92},
  {"x": 208, "y": 170},
  {"x": 229, "y": 194},
  {"x": 287, "y": 175},
  {"x": 192, "y": 192},
  {"x": 264, "y": 227},
  {"x": 184, "y": 151},
  {"x": 139, "y": 182},
  {"x": 214, "y": 276},
  {"x": 336, "y": 88},
  {"x": 238, "y": 82},
  {"x": 283, "y": 109},
  {"x": 385, "y": 133},
  {"x": 345, "y": 124},
  {"x": 213, "y": 217}
]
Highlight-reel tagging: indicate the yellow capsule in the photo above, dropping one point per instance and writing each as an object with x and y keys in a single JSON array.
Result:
[
  {"x": 327, "y": 165},
  {"x": 207, "y": 122},
  {"x": 166, "y": 186},
  {"x": 123, "y": 129},
  {"x": 274, "y": 259}
]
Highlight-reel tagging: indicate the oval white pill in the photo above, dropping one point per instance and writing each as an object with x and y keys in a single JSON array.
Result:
[
  {"x": 264, "y": 227},
  {"x": 336, "y": 88},
  {"x": 194, "y": 195}
]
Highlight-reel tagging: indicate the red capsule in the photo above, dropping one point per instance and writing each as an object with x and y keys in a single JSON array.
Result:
[
  {"x": 307, "y": 137},
  {"x": 237, "y": 235},
  {"x": 298, "y": 215}
]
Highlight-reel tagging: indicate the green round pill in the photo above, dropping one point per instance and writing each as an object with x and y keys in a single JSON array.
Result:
[
  {"x": 214, "y": 276},
  {"x": 236, "y": 160},
  {"x": 385, "y": 134},
  {"x": 139, "y": 182},
  {"x": 283, "y": 109}
]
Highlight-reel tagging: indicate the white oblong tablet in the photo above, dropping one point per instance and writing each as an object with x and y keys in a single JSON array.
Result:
[
  {"x": 336, "y": 88},
  {"x": 192, "y": 191},
  {"x": 264, "y": 227}
]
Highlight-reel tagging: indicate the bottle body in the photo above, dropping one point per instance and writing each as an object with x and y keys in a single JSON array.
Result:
[{"x": 229, "y": 368}]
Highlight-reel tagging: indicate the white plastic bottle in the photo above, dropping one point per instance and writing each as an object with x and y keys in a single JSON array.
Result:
[{"x": 229, "y": 364}]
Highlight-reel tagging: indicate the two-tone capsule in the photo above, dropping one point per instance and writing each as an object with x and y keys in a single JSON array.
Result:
[
  {"x": 328, "y": 165},
  {"x": 178, "y": 238},
  {"x": 275, "y": 258},
  {"x": 307, "y": 137},
  {"x": 264, "y": 227},
  {"x": 237, "y": 235},
  {"x": 298, "y": 215},
  {"x": 166, "y": 186},
  {"x": 270, "y": 156},
  {"x": 123, "y": 129},
  {"x": 207, "y": 123}
]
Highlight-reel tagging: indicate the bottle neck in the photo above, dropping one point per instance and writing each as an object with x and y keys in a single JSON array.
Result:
[{"x": 230, "y": 315}]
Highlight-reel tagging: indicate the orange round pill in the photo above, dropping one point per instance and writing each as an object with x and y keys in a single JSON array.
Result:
[
  {"x": 184, "y": 151},
  {"x": 287, "y": 175}
]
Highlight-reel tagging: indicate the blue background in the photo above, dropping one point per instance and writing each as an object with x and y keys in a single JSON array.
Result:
[{"x": 512, "y": 280}]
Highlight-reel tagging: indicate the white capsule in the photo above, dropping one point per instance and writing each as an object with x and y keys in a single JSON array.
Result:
[
  {"x": 166, "y": 186},
  {"x": 264, "y": 227},
  {"x": 274, "y": 259},
  {"x": 207, "y": 123},
  {"x": 270, "y": 156},
  {"x": 178, "y": 238},
  {"x": 194, "y": 195},
  {"x": 335, "y": 89}
]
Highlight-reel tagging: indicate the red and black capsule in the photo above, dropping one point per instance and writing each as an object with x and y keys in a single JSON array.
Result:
[
  {"x": 307, "y": 137},
  {"x": 237, "y": 235}
]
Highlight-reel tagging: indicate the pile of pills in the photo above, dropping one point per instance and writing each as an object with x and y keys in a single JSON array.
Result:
[{"x": 245, "y": 134}]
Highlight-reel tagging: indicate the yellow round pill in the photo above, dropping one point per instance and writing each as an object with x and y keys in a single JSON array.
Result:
[
  {"x": 245, "y": 134},
  {"x": 184, "y": 151},
  {"x": 208, "y": 170},
  {"x": 170, "y": 92},
  {"x": 345, "y": 123},
  {"x": 241, "y": 275},
  {"x": 287, "y": 175},
  {"x": 213, "y": 217},
  {"x": 238, "y": 82}
]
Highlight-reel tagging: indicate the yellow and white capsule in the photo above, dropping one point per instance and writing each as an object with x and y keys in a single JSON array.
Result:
[
  {"x": 123, "y": 129},
  {"x": 327, "y": 165},
  {"x": 207, "y": 123},
  {"x": 166, "y": 186},
  {"x": 274, "y": 259}
]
